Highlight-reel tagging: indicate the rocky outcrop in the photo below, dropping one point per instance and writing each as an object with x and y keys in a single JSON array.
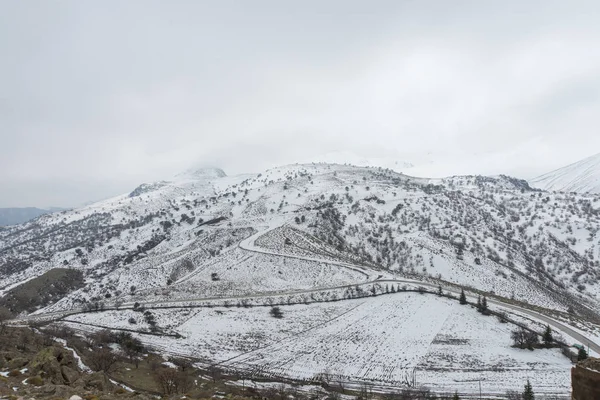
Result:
[
  {"x": 98, "y": 381},
  {"x": 70, "y": 376},
  {"x": 17, "y": 363},
  {"x": 585, "y": 380},
  {"x": 55, "y": 365}
]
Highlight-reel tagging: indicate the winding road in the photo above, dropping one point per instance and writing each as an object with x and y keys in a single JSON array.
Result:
[{"x": 248, "y": 245}]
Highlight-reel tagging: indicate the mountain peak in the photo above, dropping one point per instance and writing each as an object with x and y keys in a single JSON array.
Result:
[{"x": 203, "y": 173}]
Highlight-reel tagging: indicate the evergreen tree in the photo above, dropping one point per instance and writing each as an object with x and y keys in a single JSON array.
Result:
[
  {"x": 484, "y": 306},
  {"x": 463, "y": 298},
  {"x": 456, "y": 396},
  {"x": 478, "y": 303},
  {"x": 547, "y": 336},
  {"x": 582, "y": 354},
  {"x": 528, "y": 392},
  {"x": 439, "y": 290}
]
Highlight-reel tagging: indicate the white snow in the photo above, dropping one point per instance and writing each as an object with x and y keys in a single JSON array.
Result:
[
  {"x": 582, "y": 177},
  {"x": 273, "y": 246},
  {"x": 386, "y": 340}
]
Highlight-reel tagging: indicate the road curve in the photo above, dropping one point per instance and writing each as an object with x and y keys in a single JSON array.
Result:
[{"x": 558, "y": 325}]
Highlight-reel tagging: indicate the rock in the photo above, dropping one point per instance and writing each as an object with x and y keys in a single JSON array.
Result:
[
  {"x": 49, "y": 363},
  {"x": 590, "y": 363},
  {"x": 17, "y": 363},
  {"x": 142, "y": 396},
  {"x": 70, "y": 376},
  {"x": 5, "y": 388},
  {"x": 60, "y": 391},
  {"x": 79, "y": 384},
  {"x": 75, "y": 397},
  {"x": 98, "y": 381}
]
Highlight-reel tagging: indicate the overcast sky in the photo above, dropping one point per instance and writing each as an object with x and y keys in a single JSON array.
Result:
[{"x": 99, "y": 96}]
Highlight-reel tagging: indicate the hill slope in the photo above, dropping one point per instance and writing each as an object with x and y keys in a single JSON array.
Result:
[
  {"x": 494, "y": 234},
  {"x": 320, "y": 241},
  {"x": 581, "y": 177}
]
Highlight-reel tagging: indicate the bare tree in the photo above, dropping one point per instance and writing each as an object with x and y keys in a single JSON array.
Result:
[
  {"x": 133, "y": 349},
  {"x": 365, "y": 393},
  {"x": 172, "y": 381},
  {"x": 166, "y": 378},
  {"x": 325, "y": 377},
  {"x": 103, "y": 360},
  {"x": 524, "y": 338},
  {"x": 281, "y": 391},
  {"x": 182, "y": 363},
  {"x": 103, "y": 337},
  {"x": 214, "y": 372},
  {"x": 5, "y": 315}
]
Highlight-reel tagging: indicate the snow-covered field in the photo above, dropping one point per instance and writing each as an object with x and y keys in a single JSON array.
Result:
[{"x": 386, "y": 340}]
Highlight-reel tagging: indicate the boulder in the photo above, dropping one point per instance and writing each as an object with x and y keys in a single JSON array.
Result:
[
  {"x": 55, "y": 391},
  {"x": 49, "y": 363},
  {"x": 5, "y": 388},
  {"x": 98, "y": 381},
  {"x": 70, "y": 376},
  {"x": 17, "y": 363}
]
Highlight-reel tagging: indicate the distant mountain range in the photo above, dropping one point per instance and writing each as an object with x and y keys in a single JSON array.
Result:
[
  {"x": 581, "y": 177},
  {"x": 18, "y": 215}
]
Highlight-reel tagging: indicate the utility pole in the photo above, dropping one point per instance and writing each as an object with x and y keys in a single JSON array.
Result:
[{"x": 479, "y": 389}]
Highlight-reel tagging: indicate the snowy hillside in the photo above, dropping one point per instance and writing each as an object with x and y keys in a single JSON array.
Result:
[
  {"x": 319, "y": 240},
  {"x": 493, "y": 234},
  {"x": 581, "y": 177}
]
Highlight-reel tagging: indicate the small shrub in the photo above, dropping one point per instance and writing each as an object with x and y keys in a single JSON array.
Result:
[
  {"x": 14, "y": 372},
  {"x": 502, "y": 317},
  {"x": 524, "y": 338},
  {"x": 35, "y": 381},
  {"x": 276, "y": 312},
  {"x": 582, "y": 354}
]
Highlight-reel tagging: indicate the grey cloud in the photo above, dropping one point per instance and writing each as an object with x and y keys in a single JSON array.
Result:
[{"x": 99, "y": 96}]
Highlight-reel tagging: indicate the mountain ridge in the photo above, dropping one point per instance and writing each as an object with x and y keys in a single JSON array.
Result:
[{"x": 582, "y": 177}]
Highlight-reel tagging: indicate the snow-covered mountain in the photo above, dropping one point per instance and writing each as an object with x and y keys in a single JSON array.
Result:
[
  {"x": 492, "y": 233},
  {"x": 581, "y": 177},
  {"x": 326, "y": 235}
]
